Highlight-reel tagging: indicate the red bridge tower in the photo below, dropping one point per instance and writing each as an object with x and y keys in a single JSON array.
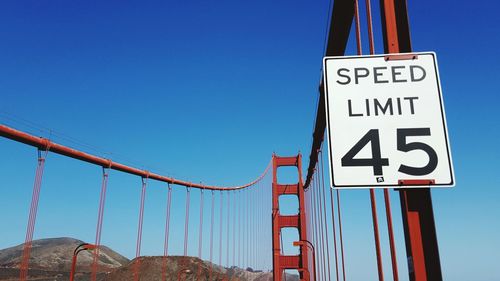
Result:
[{"x": 282, "y": 262}]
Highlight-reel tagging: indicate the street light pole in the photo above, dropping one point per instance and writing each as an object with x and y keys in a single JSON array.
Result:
[
  {"x": 81, "y": 247},
  {"x": 307, "y": 243}
]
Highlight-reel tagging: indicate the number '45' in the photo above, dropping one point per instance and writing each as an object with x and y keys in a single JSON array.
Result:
[{"x": 377, "y": 162}]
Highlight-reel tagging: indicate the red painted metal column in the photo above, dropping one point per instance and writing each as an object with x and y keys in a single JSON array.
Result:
[
  {"x": 283, "y": 262},
  {"x": 416, "y": 204},
  {"x": 32, "y": 215}
]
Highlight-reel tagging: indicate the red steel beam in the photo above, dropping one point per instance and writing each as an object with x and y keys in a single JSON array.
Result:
[
  {"x": 416, "y": 204},
  {"x": 46, "y": 144}
]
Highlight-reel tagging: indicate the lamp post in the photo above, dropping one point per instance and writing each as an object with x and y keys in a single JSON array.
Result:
[
  {"x": 307, "y": 243},
  {"x": 81, "y": 247}
]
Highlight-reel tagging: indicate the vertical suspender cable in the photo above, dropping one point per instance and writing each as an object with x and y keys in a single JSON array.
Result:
[
  {"x": 320, "y": 211},
  {"x": 241, "y": 241},
  {"x": 386, "y": 192},
  {"x": 247, "y": 223},
  {"x": 234, "y": 228},
  {"x": 186, "y": 224},
  {"x": 200, "y": 234},
  {"x": 100, "y": 214},
  {"x": 372, "y": 192},
  {"x": 334, "y": 236},
  {"x": 263, "y": 224},
  {"x": 333, "y": 225},
  {"x": 167, "y": 230},
  {"x": 313, "y": 237},
  {"x": 211, "y": 235},
  {"x": 228, "y": 239},
  {"x": 395, "y": 274},
  {"x": 327, "y": 245},
  {"x": 30, "y": 229},
  {"x": 340, "y": 234},
  {"x": 254, "y": 226},
  {"x": 316, "y": 230},
  {"x": 139, "y": 230},
  {"x": 321, "y": 237},
  {"x": 246, "y": 231},
  {"x": 240, "y": 233},
  {"x": 220, "y": 227},
  {"x": 376, "y": 234},
  {"x": 255, "y": 214}
]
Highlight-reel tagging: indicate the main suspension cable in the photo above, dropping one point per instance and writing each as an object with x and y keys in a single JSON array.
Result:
[{"x": 46, "y": 144}]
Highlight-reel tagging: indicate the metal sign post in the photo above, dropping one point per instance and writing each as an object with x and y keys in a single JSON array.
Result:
[{"x": 416, "y": 204}]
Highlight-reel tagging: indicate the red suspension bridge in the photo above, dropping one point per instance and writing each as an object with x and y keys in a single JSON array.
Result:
[{"x": 248, "y": 232}]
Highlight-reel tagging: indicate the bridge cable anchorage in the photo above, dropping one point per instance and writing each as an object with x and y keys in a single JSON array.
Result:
[
  {"x": 100, "y": 215},
  {"x": 167, "y": 232},
  {"x": 30, "y": 229},
  {"x": 137, "y": 265}
]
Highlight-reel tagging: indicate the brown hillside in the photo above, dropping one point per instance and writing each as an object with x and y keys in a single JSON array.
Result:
[{"x": 187, "y": 268}]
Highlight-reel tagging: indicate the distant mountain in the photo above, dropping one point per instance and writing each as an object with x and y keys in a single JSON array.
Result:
[
  {"x": 51, "y": 261},
  {"x": 52, "y": 257},
  {"x": 187, "y": 268}
]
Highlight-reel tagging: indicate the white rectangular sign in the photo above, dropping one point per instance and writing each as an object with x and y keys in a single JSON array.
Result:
[{"x": 386, "y": 122}]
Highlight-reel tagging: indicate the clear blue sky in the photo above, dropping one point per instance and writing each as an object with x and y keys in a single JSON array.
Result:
[{"x": 207, "y": 91}]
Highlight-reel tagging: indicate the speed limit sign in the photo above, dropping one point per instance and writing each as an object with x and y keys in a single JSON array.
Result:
[{"x": 385, "y": 121}]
